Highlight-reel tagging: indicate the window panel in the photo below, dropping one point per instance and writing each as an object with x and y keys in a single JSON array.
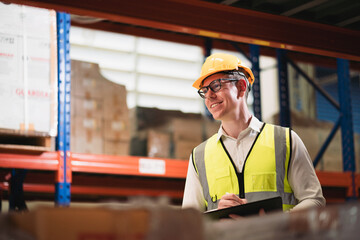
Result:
[
  {"x": 166, "y": 86},
  {"x": 102, "y": 39}
]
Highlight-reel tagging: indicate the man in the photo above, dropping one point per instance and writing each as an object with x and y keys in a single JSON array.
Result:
[{"x": 247, "y": 160}]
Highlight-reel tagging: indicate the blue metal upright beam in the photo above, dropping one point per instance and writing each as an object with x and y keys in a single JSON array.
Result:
[
  {"x": 347, "y": 133},
  {"x": 254, "y": 57},
  {"x": 62, "y": 186},
  {"x": 285, "y": 118},
  {"x": 328, "y": 97}
]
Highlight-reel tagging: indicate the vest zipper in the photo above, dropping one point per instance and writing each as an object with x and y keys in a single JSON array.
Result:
[{"x": 240, "y": 176}]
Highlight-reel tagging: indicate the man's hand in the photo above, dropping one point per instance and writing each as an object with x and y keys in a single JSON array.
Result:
[{"x": 229, "y": 200}]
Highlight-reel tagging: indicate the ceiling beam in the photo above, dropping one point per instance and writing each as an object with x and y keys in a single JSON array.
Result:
[
  {"x": 349, "y": 21},
  {"x": 228, "y": 2},
  {"x": 218, "y": 21},
  {"x": 303, "y": 7},
  {"x": 200, "y": 41}
]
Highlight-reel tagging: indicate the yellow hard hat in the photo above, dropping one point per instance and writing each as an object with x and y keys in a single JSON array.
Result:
[{"x": 219, "y": 62}]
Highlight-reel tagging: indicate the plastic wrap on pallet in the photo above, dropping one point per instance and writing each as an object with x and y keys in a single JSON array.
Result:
[
  {"x": 332, "y": 222},
  {"x": 28, "y": 70}
]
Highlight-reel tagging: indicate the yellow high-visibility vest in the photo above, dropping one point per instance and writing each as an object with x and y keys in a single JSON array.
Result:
[{"x": 264, "y": 173}]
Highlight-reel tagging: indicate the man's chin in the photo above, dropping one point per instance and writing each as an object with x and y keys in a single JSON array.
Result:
[{"x": 216, "y": 117}]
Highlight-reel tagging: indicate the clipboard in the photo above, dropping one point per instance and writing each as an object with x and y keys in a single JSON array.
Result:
[{"x": 252, "y": 208}]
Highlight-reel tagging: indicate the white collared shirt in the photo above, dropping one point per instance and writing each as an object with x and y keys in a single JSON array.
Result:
[{"x": 302, "y": 176}]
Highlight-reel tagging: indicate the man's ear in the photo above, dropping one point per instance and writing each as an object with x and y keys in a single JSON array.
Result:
[{"x": 242, "y": 85}]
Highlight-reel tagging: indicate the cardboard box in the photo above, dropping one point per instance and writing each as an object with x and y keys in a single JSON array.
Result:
[
  {"x": 116, "y": 130},
  {"x": 183, "y": 148},
  {"x": 89, "y": 108},
  {"x": 121, "y": 148},
  {"x": 110, "y": 224},
  {"x": 150, "y": 118},
  {"x": 84, "y": 224},
  {"x": 332, "y": 159},
  {"x": 158, "y": 144},
  {"x": 86, "y": 80},
  {"x": 187, "y": 129},
  {"x": 86, "y": 135},
  {"x": 115, "y": 104}
]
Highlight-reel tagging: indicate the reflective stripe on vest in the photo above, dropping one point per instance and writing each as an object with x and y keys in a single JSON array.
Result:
[{"x": 264, "y": 173}]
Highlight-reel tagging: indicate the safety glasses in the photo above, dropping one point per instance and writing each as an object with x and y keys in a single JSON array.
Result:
[{"x": 215, "y": 86}]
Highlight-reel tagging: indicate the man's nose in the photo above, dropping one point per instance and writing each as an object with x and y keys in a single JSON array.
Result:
[{"x": 210, "y": 94}]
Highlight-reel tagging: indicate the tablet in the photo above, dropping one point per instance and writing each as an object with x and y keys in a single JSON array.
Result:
[{"x": 252, "y": 208}]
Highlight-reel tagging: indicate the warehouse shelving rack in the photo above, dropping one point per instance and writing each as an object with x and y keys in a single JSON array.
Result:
[
  {"x": 150, "y": 168},
  {"x": 64, "y": 163}
]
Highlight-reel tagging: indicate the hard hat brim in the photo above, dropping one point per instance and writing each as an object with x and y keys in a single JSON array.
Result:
[{"x": 247, "y": 70}]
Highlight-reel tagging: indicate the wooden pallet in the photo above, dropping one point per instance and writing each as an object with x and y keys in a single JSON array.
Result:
[{"x": 25, "y": 142}]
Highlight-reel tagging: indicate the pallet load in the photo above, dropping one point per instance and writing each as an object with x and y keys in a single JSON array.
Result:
[{"x": 28, "y": 78}]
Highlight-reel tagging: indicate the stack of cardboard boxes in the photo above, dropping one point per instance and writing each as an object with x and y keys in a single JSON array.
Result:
[
  {"x": 187, "y": 134},
  {"x": 168, "y": 133},
  {"x": 314, "y": 133},
  {"x": 116, "y": 132},
  {"x": 99, "y": 113},
  {"x": 100, "y": 121}
]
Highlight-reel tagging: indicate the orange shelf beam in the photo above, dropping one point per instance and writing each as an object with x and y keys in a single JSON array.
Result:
[
  {"x": 334, "y": 179},
  {"x": 133, "y": 166},
  {"x": 338, "y": 179},
  {"x": 44, "y": 161},
  {"x": 91, "y": 163},
  {"x": 104, "y": 191},
  {"x": 128, "y": 165}
]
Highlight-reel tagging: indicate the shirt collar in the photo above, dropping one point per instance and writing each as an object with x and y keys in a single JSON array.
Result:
[{"x": 255, "y": 125}]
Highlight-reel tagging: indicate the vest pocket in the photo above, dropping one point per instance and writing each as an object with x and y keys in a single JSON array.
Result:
[
  {"x": 264, "y": 182},
  {"x": 222, "y": 182}
]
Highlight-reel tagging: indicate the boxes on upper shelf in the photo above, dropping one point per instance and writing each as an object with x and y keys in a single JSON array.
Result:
[
  {"x": 99, "y": 113},
  {"x": 314, "y": 133},
  {"x": 165, "y": 133},
  {"x": 86, "y": 135},
  {"x": 187, "y": 129},
  {"x": 116, "y": 130},
  {"x": 158, "y": 144},
  {"x": 86, "y": 80},
  {"x": 115, "y": 105},
  {"x": 183, "y": 148},
  {"x": 84, "y": 107},
  {"x": 121, "y": 148}
]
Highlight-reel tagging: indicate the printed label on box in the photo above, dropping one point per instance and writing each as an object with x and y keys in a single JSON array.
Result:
[
  {"x": 154, "y": 166},
  {"x": 89, "y": 105},
  {"x": 117, "y": 125}
]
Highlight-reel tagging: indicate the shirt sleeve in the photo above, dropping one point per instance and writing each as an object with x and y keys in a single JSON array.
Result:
[
  {"x": 193, "y": 193},
  {"x": 302, "y": 176}
]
